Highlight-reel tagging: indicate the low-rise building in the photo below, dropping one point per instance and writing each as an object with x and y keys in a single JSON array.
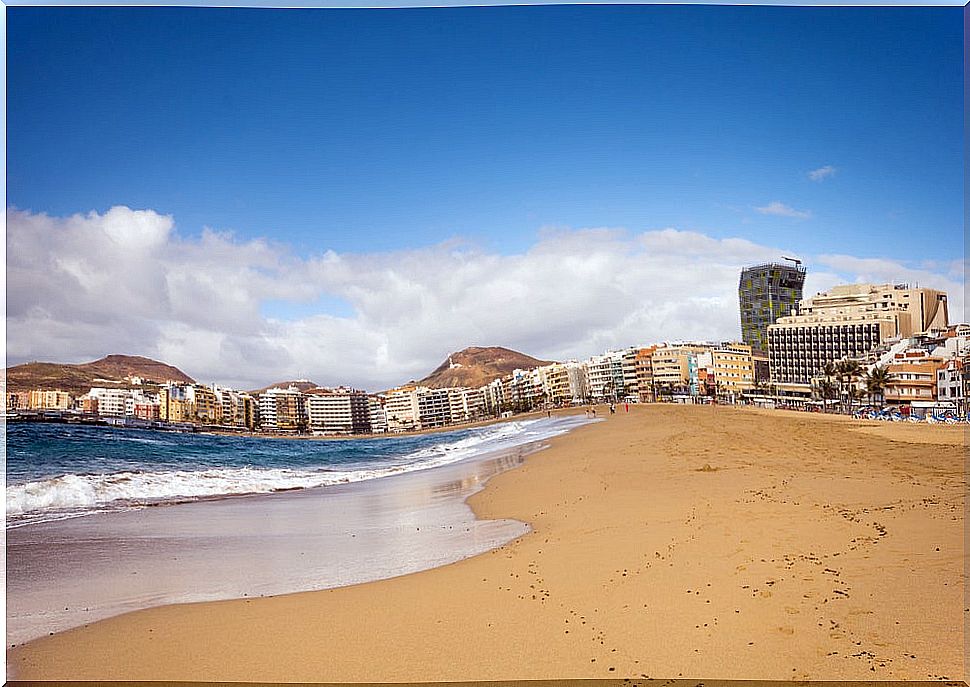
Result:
[
  {"x": 43, "y": 399},
  {"x": 111, "y": 402},
  {"x": 951, "y": 383}
]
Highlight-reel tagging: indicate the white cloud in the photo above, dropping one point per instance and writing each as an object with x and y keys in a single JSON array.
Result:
[
  {"x": 822, "y": 173},
  {"x": 778, "y": 208},
  {"x": 126, "y": 282}
]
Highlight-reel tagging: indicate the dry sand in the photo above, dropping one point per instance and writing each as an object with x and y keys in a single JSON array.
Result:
[{"x": 671, "y": 542}]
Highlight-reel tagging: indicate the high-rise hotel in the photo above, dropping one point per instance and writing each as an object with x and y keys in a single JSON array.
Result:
[
  {"x": 847, "y": 321},
  {"x": 767, "y": 292}
]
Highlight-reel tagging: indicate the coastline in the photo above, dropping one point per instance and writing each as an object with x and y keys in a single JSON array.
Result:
[
  {"x": 670, "y": 541},
  {"x": 316, "y": 538}
]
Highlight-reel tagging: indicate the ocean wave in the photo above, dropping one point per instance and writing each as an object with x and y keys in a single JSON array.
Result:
[{"x": 77, "y": 494}]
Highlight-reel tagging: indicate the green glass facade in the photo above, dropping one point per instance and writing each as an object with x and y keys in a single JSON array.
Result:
[{"x": 765, "y": 293}]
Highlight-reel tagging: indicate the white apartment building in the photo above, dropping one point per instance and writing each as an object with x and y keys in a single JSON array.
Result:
[
  {"x": 342, "y": 411},
  {"x": 282, "y": 410},
  {"x": 493, "y": 396},
  {"x": 401, "y": 409},
  {"x": 604, "y": 374},
  {"x": 111, "y": 402},
  {"x": 376, "y": 416},
  {"x": 951, "y": 383}
]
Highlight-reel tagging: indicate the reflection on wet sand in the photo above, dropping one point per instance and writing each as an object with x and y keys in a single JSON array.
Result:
[{"x": 73, "y": 572}]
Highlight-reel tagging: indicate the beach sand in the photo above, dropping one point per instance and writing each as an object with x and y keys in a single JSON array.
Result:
[{"x": 670, "y": 541}]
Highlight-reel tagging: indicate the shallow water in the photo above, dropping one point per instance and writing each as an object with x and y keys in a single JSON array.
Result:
[
  {"x": 58, "y": 471},
  {"x": 65, "y": 573}
]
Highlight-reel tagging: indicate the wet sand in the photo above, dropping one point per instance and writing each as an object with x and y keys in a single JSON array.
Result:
[
  {"x": 666, "y": 542},
  {"x": 73, "y": 572}
]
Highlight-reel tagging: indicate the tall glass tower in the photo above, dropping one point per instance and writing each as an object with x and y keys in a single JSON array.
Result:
[{"x": 767, "y": 292}]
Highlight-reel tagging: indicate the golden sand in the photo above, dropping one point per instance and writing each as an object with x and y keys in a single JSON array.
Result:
[{"x": 669, "y": 541}]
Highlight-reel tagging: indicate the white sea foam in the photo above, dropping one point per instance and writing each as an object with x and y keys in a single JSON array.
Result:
[{"x": 72, "y": 495}]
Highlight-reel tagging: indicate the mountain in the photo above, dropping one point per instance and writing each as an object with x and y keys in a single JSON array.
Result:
[
  {"x": 303, "y": 385},
  {"x": 77, "y": 379},
  {"x": 477, "y": 366}
]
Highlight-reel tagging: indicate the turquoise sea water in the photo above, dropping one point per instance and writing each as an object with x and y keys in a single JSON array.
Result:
[{"x": 57, "y": 471}]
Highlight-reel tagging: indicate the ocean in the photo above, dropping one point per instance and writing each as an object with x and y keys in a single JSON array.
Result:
[
  {"x": 60, "y": 471},
  {"x": 241, "y": 516}
]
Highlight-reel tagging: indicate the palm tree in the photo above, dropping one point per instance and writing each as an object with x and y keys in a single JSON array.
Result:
[
  {"x": 827, "y": 389},
  {"x": 847, "y": 371},
  {"x": 876, "y": 381}
]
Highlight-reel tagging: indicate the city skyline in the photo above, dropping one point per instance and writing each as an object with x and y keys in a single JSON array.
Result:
[{"x": 353, "y": 195}]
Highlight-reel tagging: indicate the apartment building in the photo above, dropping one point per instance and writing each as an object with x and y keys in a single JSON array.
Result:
[
  {"x": 376, "y": 416},
  {"x": 282, "y": 410},
  {"x": 111, "y": 402},
  {"x": 142, "y": 405},
  {"x": 846, "y": 321},
  {"x": 644, "y": 372},
  {"x": 733, "y": 368},
  {"x": 402, "y": 410},
  {"x": 555, "y": 383},
  {"x": 671, "y": 366},
  {"x": 493, "y": 397},
  {"x": 41, "y": 399},
  {"x": 631, "y": 382},
  {"x": 339, "y": 411},
  {"x": 465, "y": 404},
  {"x": 604, "y": 375},
  {"x": 434, "y": 407},
  {"x": 952, "y": 382},
  {"x": 914, "y": 380}
]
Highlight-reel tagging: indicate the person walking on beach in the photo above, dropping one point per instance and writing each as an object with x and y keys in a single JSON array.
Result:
[
  {"x": 612, "y": 409},
  {"x": 627, "y": 407}
]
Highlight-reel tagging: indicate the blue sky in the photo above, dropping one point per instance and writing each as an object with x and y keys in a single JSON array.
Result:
[
  {"x": 493, "y": 134},
  {"x": 377, "y": 129}
]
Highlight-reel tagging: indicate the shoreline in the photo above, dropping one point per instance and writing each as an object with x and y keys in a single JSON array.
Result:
[
  {"x": 600, "y": 573},
  {"x": 309, "y": 477},
  {"x": 434, "y": 495}
]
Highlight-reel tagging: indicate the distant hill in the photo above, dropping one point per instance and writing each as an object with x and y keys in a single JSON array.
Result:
[
  {"x": 301, "y": 384},
  {"x": 477, "y": 366},
  {"x": 77, "y": 379}
]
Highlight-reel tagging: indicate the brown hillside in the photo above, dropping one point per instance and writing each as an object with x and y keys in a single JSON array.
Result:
[
  {"x": 477, "y": 366},
  {"x": 77, "y": 379}
]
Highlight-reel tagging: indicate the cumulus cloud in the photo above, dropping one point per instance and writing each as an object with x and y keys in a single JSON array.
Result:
[
  {"x": 778, "y": 208},
  {"x": 822, "y": 173},
  {"x": 127, "y": 282}
]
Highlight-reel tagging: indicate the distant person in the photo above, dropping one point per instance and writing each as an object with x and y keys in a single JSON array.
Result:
[
  {"x": 627, "y": 407},
  {"x": 612, "y": 409}
]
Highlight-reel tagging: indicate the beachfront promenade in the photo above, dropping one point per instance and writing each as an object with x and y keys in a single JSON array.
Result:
[{"x": 667, "y": 541}]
